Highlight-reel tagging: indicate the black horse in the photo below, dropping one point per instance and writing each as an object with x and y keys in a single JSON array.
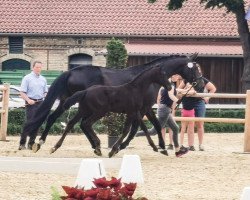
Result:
[
  {"x": 98, "y": 100},
  {"x": 81, "y": 78}
]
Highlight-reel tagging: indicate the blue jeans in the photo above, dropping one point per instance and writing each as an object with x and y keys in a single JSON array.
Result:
[{"x": 200, "y": 108}]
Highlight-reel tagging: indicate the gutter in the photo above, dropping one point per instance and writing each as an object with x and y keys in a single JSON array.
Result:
[{"x": 120, "y": 35}]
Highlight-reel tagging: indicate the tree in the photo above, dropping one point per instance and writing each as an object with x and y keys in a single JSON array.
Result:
[
  {"x": 236, "y": 7},
  {"x": 116, "y": 58}
]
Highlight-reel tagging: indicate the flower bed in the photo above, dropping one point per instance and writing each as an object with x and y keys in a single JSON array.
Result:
[{"x": 104, "y": 189}]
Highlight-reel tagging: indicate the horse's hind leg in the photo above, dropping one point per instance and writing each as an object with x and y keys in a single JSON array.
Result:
[
  {"x": 51, "y": 119},
  {"x": 69, "y": 126},
  {"x": 125, "y": 131}
]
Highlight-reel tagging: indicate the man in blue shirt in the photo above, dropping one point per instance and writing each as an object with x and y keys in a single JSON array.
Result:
[{"x": 33, "y": 90}]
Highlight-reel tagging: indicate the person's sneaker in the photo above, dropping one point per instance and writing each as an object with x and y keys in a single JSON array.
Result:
[
  {"x": 182, "y": 151},
  {"x": 191, "y": 148},
  {"x": 170, "y": 147},
  {"x": 201, "y": 147},
  {"x": 22, "y": 147}
]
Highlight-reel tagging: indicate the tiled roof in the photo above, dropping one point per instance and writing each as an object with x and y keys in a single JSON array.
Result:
[
  {"x": 116, "y": 17},
  {"x": 204, "y": 49}
]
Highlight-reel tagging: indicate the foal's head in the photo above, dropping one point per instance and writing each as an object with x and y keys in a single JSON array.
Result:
[{"x": 162, "y": 78}]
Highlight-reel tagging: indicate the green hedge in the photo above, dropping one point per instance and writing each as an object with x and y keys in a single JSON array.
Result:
[{"x": 17, "y": 118}]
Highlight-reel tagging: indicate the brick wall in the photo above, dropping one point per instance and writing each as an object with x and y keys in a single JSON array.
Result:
[{"x": 54, "y": 52}]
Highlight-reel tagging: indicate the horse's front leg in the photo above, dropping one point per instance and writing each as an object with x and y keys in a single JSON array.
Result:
[
  {"x": 131, "y": 135},
  {"x": 93, "y": 139},
  {"x": 125, "y": 131},
  {"x": 153, "y": 119},
  {"x": 90, "y": 139},
  {"x": 51, "y": 119},
  {"x": 69, "y": 126},
  {"x": 150, "y": 141}
]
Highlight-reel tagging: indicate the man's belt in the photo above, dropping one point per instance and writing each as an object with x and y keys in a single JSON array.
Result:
[{"x": 36, "y": 100}]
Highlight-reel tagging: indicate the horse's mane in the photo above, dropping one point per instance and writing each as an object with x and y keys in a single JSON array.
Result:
[
  {"x": 139, "y": 75},
  {"x": 158, "y": 60},
  {"x": 146, "y": 65}
]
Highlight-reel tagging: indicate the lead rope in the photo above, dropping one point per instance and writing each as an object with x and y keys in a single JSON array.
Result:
[{"x": 180, "y": 100}]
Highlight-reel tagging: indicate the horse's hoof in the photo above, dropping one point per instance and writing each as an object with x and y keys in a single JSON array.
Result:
[
  {"x": 36, "y": 147},
  {"x": 155, "y": 149},
  {"x": 111, "y": 153},
  {"x": 98, "y": 152},
  {"x": 52, "y": 150},
  {"x": 164, "y": 152}
]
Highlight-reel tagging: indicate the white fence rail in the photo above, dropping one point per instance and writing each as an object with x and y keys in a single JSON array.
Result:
[{"x": 245, "y": 121}]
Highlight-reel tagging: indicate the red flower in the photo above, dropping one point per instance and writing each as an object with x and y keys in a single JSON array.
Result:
[
  {"x": 130, "y": 186},
  {"x": 89, "y": 198},
  {"x": 104, "y": 194},
  {"x": 115, "y": 183},
  {"x": 92, "y": 193},
  {"x": 106, "y": 190},
  {"x": 128, "y": 189},
  {"x": 74, "y": 192},
  {"x": 101, "y": 182}
]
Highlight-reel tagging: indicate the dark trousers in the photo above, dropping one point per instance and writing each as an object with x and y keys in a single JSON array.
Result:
[{"x": 30, "y": 111}]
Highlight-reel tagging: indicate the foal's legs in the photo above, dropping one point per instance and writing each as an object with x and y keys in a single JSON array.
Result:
[
  {"x": 152, "y": 118},
  {"x": 133, "y": 130},
  {"x": 126, "y": 127},
  {"x": 90, "y": 139},
  {"x": 50, "y": 121},
  {"x": 69, "y": 126},
  {"x": 86, "y": 126},
  {"x": 150, "y": 141}
]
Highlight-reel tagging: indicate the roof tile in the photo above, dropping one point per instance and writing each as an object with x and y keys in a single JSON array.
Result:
[{"x": 117, "y": 17}]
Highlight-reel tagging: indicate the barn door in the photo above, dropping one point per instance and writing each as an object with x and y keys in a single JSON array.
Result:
[
  {"x": 15, "y": 64},
  {"x": 79, "y": 60}
]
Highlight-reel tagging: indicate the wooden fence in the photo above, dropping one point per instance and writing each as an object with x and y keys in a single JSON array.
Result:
[
  {"x": 246, "y": 121},
  {"x": 4, "y": 111}
]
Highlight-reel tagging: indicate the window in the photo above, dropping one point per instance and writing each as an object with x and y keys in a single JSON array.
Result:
[{"x": 15, "y": 44}]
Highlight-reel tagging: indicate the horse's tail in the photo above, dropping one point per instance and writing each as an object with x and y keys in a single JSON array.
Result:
[
  {"x": 56, "y": 89},
  {"x": 74, "y": 99}
]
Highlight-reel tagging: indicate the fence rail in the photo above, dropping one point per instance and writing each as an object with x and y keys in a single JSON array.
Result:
[{"x": 245, "y": 121}]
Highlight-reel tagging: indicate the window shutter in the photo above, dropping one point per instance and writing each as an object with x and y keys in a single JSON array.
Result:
[{"x": 16, "y": 44}]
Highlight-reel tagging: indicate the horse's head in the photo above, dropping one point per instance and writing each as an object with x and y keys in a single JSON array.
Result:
[{"x": 192, "y": 73}]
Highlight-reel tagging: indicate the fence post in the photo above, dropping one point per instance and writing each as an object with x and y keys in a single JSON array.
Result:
[
  {"x": 247, "y": 124},
  {"x": 4, "y": 115}
]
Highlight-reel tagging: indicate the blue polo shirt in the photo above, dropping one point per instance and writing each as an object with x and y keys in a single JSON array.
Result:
[{"x": 35, "y": 86}]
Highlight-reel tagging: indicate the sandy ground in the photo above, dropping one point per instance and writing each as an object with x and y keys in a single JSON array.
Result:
[{"x": 219, "y": 173}]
